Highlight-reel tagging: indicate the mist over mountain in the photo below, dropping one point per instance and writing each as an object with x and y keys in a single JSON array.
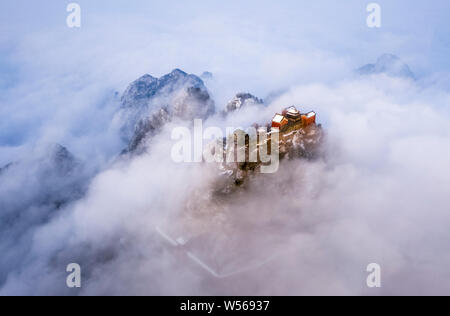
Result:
[
  {"x": 241, "y": 100},
  {"x": 376, "y": 192},
  {"x": 206, "y": 75},
  {"x": 6, "y": 167},
  {"x": 388, "y": 64},
  {"x": 312, "y": 227},
  {"x": 148, "y": 103},
  {"x": 32, "y": 192},
  {"x": 50, "y": 164}
]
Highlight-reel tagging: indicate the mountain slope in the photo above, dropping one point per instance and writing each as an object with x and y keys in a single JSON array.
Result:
[
  {"x": 241, "y": 100},
  {"x": 32, "y": 190},
  {"x": 148, "y": 103}
]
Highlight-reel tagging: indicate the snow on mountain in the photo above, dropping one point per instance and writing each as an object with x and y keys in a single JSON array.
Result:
[
  {"x": 388, "y": 64},
  {"x": 241, "y": 100},
  {"x": 148, "y": 103}
]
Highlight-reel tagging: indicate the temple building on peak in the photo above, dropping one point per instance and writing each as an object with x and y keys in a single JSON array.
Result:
[{"x": 291, "y": 119}]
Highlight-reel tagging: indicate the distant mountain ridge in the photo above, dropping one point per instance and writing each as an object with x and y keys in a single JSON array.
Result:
[
  {"x": 55, "y": 159},
  {"x": 52, "y": 177},
  {"x": 388, "y": 64},
  {"x": 241, "y": 100},
  {"x": 5, "y": 167}
]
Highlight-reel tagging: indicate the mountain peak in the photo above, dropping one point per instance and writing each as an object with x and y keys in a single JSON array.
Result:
[
  {"x": 145, "y": 80},
  {"x": 53, "y": 160},
  {"x": 240, "y": 100},
  {"x": 387, "y": 58},
  {"x": 148, "y": 103},
  {"x": 59, "y": 152},
  {"x": 6, "y": 167},
  {"x": 207, "y": 75},
  {"x": 178, "y": 72},
  {"x": 388, "y": 64},
  {"x": 61, "y": 159}
]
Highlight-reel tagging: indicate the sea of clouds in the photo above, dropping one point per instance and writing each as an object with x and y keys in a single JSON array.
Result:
[{"x": 379, "y": 193}]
